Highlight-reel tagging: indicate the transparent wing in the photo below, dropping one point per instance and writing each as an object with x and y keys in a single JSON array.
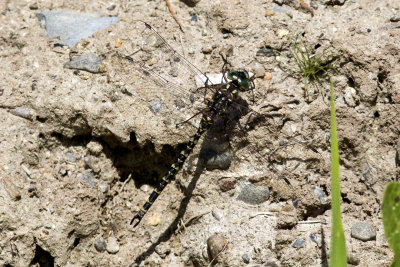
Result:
[{"x": 154, "y": 59}]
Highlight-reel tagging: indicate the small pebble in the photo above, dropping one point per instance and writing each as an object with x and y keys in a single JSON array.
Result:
[
  {"x": 279, "y": 2},
  {"x": 215, "y": 245},
  {"x": 215, "y": 160},
  {"x": 395, "y": 18},
  {"x": 269, "y": 13},
  {"x": 349, "y": 95},
  {"x": 320, "y": 195},
  {"x": 268, "y": 76},
  {"x": 87, "y": 178},
  {"x": 112, "y": 245},
  {"x": 70, "y": 157},
  {"x": 298, "y": 243},
  {"x": 88, "y": 161},
  {"x": 87, "y": 62},
  {"x": 104, "y": 188},
  {"x": 34, "y": 6},
  {"x": 11, "y": 188},
  {"x": 353, "y": 259},
  {"x": 145, "y": 188},
  {"x": 194, "y": 18},
  {"x": 111, "y": 7},
  {"x": 22, "y": 112},
  {"x": 282, "y": 33},
  {"x": 314, "y": 238},
  {"x": 217, "y": 214},
  {"x": 363, "y": 231},
  {"x": 246, "y": 258},
  {"x": 191, "y": 3},
  {"x": 155, "y": 219},
  {"x": 295, "y": 203},
  {"x": 118, "y": 43},
  {"x": 207, "y": 49},
  {"x": 99, "y": 244},
  {"x": 266, "y": 52},
  {"x": 162, "y": 249},
  {"x": 253, "y": 195},
  {"x": 314, "y": 4},
  {"x": 94, "y": 147},
  {"x": 227, "y": 184},
  {"x": 259, "y": 71},
  {"x": 155, "y": 105}
]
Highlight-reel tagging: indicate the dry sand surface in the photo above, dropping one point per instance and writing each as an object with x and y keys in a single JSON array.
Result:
[{"x": 81, "y": 151}]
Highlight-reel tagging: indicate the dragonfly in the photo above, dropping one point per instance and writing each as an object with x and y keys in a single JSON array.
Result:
[{"x": 155, "y": 60}]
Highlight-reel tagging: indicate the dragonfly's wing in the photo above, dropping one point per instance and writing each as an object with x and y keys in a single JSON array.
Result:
[
  {"x": 148, "y": 74},
  {"x": 171, "y": 55},
  {"x": 155, "y": 59}
]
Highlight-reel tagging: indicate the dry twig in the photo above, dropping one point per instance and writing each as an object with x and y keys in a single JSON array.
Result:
[{"x": 173, "y": 14}]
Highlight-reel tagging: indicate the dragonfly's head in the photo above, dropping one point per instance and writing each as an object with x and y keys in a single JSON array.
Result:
[{"x": 242, "y": 78}]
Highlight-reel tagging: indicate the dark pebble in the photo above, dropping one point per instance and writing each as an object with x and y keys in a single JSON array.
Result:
[
  {"x": 191, "y": 3},
  {"x": 335, "y": 2},
  {"x": 253, "y": 195},
  {"x": 395, "y": 18},
  {"x": 34, "y": 6},
  {"x": 217, "y": 160},
  {"x": 87, "y": 62},
  {"x": 363, "y": 231},
  {"x": 266, "y": 52},
  {"x": 314, "y": 238},
  {"x": 246, "y": 258},
  {"x": 295, "y": 203},
  {"x": 227, "y": 184}
]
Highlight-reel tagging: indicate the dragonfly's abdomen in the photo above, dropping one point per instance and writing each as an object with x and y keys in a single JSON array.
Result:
[{"x": 206, "y": 122}]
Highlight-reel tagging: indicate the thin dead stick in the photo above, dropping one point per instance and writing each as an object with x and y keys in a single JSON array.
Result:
[
  {"x": 126, "y": 181},
  {"x": 173, "y": 15},
  {"x": 222, "y": 250},
  {"x": 312, "y": 222},
  {"x": 304, "y": 5},
  {"x": 190, "y": 220},
  {"x": 261, "y": 213}
]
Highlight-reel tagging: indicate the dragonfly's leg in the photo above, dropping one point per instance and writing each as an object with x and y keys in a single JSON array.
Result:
[
  {"x": 224, "y": 68},
  {"x": 182, "y": 122}
]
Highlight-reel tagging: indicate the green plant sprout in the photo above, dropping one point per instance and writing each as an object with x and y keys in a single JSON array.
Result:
[
  {"x": 313, "y": 68},
  {"x": 338, "y": 243},
  {"x": 391, "y": 219}
]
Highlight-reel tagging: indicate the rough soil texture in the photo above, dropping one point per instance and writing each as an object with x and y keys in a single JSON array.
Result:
[{"x": 76, "y": 169}]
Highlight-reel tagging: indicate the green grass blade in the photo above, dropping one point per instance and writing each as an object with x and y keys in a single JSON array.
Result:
[
  {"x": 338, "y": 244},
  {"x": 391, "y": 219}
]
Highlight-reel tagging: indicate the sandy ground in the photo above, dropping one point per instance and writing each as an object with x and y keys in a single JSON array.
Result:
[{"x": 89, "y": 149}]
